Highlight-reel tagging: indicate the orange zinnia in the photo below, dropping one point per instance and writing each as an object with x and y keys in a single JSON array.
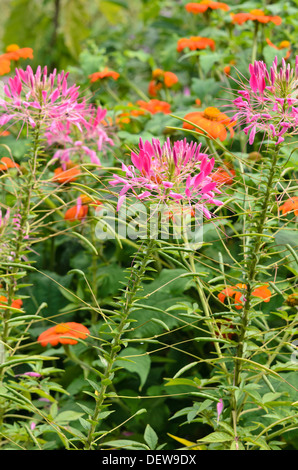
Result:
[
  {"x": 66, "y": 176},
  {"x": 154, "y": 87},
  {"x": 194, "y": 43},
  {"x": 7, "y": 163},
  {"x": 105, "y": 73},
  {"x": 213, "y": 121},
  {"x": 17, "y": 303},
  {"x": 255, "y": 15},
  {"x": 155, "y": 106},
  {"x": 76, "y": 213},
  {"x": 64, "y": 333},
  {"x": 236, "y": 292},
  {"x": 14, "y": 52},
  {"x": 4, "y": 65},
  {"x": 202, "y": 6},
  {"x": 290, "y": 205},
  {"x": 282, "y": 45}
]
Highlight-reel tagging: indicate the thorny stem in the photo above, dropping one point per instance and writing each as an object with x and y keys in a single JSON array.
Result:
[
  {"x": 138, "y": 271},
  {"x": 21, "y": 230},
  {"x": 252, "y": 268}
]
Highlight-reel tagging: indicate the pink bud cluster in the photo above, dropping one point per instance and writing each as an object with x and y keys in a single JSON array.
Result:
[
  {"x": 178, "y": 172},
  {"x": 269, "y": 103}
]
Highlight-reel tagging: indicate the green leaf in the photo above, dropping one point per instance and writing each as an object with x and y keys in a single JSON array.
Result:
[
  {"x": 140, "y": 363},
  {"x": 150, "y": 437},
  {"x": 65, "y": 416},
  {"x": 217, "y": 437}
]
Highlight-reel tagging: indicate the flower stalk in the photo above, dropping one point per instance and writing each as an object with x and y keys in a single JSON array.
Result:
[
  {"x": 138, "y": 271},
  {"x": 253, "y": 256}
]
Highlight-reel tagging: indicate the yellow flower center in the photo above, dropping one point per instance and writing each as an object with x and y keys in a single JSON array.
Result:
[
  {"x": 12, "y": 48},
  {"x": 212, "y": 113},
  {"x": 257, "y": 12},
  {"x": 284, "y": 44},
  {"x": 61, "y": 329}
]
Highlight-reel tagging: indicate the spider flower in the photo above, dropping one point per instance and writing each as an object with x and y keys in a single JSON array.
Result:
[
  {"x": 178, "y": 172},
  {"x": 38, "y": 97},
  {"x": 91, "y": 138},
  {"x": 63, "y": 333},
  {"x": 268, "y": 102},
  {"x": 205, "y": 5}
]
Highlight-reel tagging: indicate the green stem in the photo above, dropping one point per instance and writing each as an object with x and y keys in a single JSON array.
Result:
[
  {"x": 252, "y": 263},
  {"x": 138, "y": 271}
]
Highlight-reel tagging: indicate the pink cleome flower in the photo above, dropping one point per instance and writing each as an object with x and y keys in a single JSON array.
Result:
[
  {"x": 39, "y": 97},
  {"x": 269, "y": 102},
  {"x": 88, "y": 140},
  {"x": 178, "y": 172}
]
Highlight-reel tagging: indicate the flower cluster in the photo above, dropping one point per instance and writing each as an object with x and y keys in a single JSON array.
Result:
[
  {"x": 269, "y": 103},
  {"x": 89, "y": 139},
  {"x": 38, "y": 97},
  {"x": 178, "y": 172}
]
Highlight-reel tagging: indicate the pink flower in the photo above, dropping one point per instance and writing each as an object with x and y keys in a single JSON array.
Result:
[
  {"x": 268, "y": 102},
  {"x": 219, "y": 408},
  {"x": 178, "y": 172},
  {"x": 39, "y": 97},
  {"x": 91, "y": 138}
]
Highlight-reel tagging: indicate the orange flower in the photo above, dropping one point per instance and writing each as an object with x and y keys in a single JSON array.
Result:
[
  {"x": 8, "y": 163},
  {"x": 282, "y": 45},
  {"x": 80, "y": 210},
  {"x": 14, "y": 52},
  {"x": 170, "y": 79},
  {"x": 202, "y": 6},
  {"x": 255, "y": 15},
  {"x": 4, "y": 65},
  {"x": 155, "y": 106},
  {"x": 105, "y": 73},
  {"x": 76, "y": 213},
  {"x": 237, "y": 293},
  {"x": 194, "y": 43},
  {"x": 4, "y": 133},
  {"x": 198, "y": 102},
  {"x": 222, "y": 176},
  {"x": 213, "y": 121},
  {"x": 66, "y": 176},
  {"x": 64, "y": 333},
  {"x": 154, "y": 87},
  {"x": 290, "y": 205},
  {"x": 17, "y": 303}
]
